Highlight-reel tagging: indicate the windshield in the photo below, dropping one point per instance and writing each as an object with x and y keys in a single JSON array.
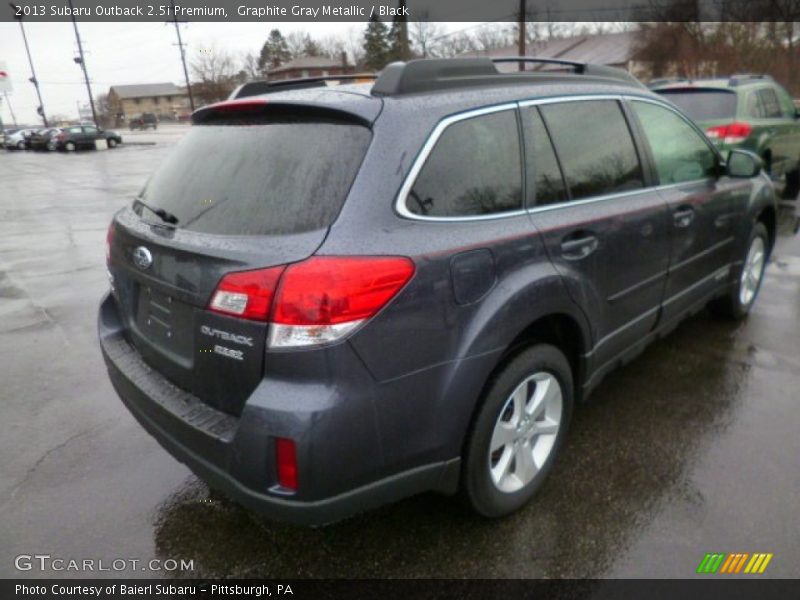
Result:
[
  {"x": 271, "y": 177},
  {"x": 703, "y": 105}
]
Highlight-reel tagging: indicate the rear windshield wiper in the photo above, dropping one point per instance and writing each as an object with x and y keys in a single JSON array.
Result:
[{"x": 162, "y": 214}]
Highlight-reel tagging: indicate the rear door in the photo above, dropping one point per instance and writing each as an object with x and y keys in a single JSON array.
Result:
[
  {"x": 247, "y": 194},
  {"x": 704, "y": 207},
  {"x": 781, "y": 128},
  {"x": 90, "y": 135},
  {"x": 605, "y": 229}
]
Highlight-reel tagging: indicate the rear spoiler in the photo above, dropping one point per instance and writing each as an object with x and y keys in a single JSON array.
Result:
[
  {"x": 260, "y": 87},
  {"x": 360, "y": 111}
]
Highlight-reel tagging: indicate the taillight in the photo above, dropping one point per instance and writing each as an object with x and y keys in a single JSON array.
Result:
[
  {"x": 109, "y": 241},
  {"x": 316, "y": 301},
  {"x": 246, "y": 294},
  {"x": 286, "y": 463},
  {"x": 732, "y": 133},
  {"x": 324, "y": 298}
]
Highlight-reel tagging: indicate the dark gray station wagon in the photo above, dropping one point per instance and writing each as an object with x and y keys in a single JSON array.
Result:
[{"x": 332, "y": 297}]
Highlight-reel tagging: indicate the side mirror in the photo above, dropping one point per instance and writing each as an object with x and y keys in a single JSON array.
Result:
[{"x": 744, "y": 164}]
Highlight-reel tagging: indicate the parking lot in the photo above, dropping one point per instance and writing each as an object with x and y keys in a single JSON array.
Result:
[{"x": 692, "y": 448}]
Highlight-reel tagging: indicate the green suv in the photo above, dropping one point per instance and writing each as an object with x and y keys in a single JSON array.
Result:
[{"x": 751, "y": 112}]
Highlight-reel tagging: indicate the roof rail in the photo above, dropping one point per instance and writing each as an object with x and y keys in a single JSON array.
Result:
[
  {"x": 259, "y": 87},
  {"x": 740, "y": 78},
  {"x": 445, "y": 73}
]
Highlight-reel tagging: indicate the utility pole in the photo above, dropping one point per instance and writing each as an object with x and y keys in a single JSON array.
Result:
[
  {"x": 521, "y": 32},
  {"x": 81, "y": 60},
  {"x": 10, "y": 109},
  {"x": 183, "y": 55},
  {"x": 33, "y": 79}
]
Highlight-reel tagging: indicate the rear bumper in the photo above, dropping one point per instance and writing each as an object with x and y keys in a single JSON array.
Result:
[{"x": 235, "y": 454}]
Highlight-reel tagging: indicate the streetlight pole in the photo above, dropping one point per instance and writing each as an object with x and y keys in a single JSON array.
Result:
[
  {"x": 183, "y": 56},
  {"x": 82, "y": 62},
  {"x": 33, "y": 79}
]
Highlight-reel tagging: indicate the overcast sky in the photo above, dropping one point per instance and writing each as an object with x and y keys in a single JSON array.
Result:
[{"x": 118, "y": 54}]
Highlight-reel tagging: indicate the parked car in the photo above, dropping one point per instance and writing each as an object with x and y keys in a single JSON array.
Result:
[
  {"x": 84, "y": 137},
  {"x": 751, "y": 112},
  {"x": 43, "y": 139},
  {"x": 328, "y": 299},
  {"x": 18, "y": 140},
  {"x": 143, "y": 121}
]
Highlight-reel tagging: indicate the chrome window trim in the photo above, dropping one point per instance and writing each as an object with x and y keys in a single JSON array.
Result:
[
  {"x": 433, "y": 138},
  {"x": 422, "y": 157}
]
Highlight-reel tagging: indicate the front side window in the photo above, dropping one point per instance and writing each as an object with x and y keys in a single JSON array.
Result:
[
  {"x": 680, "y": 153},
  {"x": 474, "y": 169},
  {"x": 595, "y": 147}
]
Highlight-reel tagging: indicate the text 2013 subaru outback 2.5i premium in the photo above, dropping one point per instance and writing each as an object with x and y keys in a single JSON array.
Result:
[{"x": 333, "y": 297}]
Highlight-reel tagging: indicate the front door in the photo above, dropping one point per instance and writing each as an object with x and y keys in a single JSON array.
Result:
[{"x": 704, "y": 206}]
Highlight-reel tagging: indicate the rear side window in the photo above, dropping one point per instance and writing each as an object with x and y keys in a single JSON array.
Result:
[
  {"x": 769, "y": 100},
  {"x": 545, "y": 183},
  {"x": 594, "y": 146},
  {"x": 703, "y": 104},
  {"x": 474, "y": 169},
  {"x": 278, "y": 176},
  {"x": 679, "y": 152}
]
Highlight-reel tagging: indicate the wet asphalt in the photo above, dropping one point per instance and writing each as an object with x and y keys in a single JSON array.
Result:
[{"x": 692, "y": 448}]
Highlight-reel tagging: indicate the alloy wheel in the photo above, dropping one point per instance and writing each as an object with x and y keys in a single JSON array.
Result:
[
  {"x": 525, "y": 432},
  {"x": 752, "y": 271}
]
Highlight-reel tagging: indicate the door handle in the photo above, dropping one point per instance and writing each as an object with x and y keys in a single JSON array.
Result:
[
  {"x": 579, "y": 248},
  {"x": 683, "y": 217}
]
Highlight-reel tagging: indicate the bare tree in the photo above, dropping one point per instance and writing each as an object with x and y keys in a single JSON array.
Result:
[
  {"x": 424, "y": 36},
  {"x": 296, "y": 41},
  {"x": 250, "y": 67},
  {"x": 216, "y": 73},
  {"x": 493, "y": 36}
]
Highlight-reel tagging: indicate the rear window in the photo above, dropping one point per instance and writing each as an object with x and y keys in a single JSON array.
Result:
[
  {"x": 703, "y": 105},
  {"x": 271, "y": 177}
]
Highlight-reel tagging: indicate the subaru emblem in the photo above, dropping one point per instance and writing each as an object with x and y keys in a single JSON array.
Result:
[{"x": 142, "y": 257}]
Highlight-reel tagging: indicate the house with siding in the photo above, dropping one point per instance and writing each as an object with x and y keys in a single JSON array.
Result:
[{"x": 166, "y": 100}]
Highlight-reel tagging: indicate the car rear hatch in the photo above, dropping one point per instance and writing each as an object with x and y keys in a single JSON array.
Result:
[
  {"x": 712, "y": 109},
  {"x": 249, "y": 188}
]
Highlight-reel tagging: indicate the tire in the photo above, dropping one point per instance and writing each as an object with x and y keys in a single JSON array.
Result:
[
  {"x": 540, "y": 380},
  {"x": 51, "y": 146},
  {"x": 70, "y": 147},
  {"x": 20, "y": 145},
  {"x": 112, "y": 143},
  {"x": 736, "y": 304}
]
